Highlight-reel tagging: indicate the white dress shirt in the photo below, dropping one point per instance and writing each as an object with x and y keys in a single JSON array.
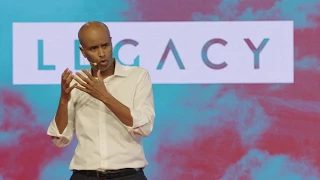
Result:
[{"x": 104, "y": 142}]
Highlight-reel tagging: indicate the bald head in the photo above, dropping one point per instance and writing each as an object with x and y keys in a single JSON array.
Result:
[
  {"x": 90, "y": 29},
  {"x": 96, "y": 45}
]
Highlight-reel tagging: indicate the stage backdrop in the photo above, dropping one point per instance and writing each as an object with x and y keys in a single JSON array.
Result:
[{"x": 236, "y": 84}]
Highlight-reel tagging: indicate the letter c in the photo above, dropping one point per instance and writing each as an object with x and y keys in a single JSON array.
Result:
[{"x": 204, "y": 54}]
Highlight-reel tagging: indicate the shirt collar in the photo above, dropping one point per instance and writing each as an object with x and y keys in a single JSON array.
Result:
[{"x": 119, "y": 69}]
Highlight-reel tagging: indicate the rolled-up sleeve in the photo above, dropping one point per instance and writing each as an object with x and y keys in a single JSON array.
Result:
[
  {"x": 63, "y": 139},
  {"x": 143, "y": 113}
]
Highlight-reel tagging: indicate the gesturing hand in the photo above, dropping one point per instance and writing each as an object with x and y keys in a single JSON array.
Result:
[
  {"x": 92, "y": 86},
  {"x": 65, "y": 85}
]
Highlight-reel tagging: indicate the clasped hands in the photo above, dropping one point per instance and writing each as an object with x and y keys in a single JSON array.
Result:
[{"x": 90, "y": 85}]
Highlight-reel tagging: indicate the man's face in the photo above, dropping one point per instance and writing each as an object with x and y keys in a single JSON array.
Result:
[{"x": 97, "y": 47}]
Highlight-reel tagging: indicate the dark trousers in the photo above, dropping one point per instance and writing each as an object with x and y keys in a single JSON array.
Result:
[{"x": 138, "y": 176}]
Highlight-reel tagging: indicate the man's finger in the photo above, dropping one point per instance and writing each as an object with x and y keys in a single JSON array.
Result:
[
  {"x": 82, "y": 77},
  {"x": 65, "y": 76},
  {"x": 81, "y": 82},
  {"x": 64, "y": 72},
  {"x": 88, "y": 74},
  {"x": 82, "y": 89},
  {"x": 99, "y": 75},
  {"x": 69, "y": 79},
  {"x": 71, "y": 88}
]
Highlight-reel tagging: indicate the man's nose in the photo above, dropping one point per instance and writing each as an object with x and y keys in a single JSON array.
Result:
[{"x": 101, "y": 52}]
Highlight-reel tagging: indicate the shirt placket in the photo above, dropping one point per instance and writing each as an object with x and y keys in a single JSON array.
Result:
[
  {"x": 103, "y": 132},
  {"x": 103, "y": 137}
]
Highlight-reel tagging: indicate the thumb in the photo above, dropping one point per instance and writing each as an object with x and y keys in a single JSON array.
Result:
[{"x": 99, "y": 75}]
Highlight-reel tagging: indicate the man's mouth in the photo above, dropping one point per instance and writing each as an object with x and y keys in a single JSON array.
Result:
[{"x": 103, "y": 62}]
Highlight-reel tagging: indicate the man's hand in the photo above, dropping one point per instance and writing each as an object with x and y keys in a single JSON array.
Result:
[
  {"x": 65, "y": 85},
  {"x": 97, "y": 89},
  {"x": 92, "y": 86}
]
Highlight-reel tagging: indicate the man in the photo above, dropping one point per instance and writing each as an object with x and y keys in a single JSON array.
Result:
[{"x": 110, "y": 108}]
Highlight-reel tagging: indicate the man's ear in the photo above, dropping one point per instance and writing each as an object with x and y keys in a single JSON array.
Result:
[
  {"x": 111, "y": 42},
  {"x": 82, "y": 51}
]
